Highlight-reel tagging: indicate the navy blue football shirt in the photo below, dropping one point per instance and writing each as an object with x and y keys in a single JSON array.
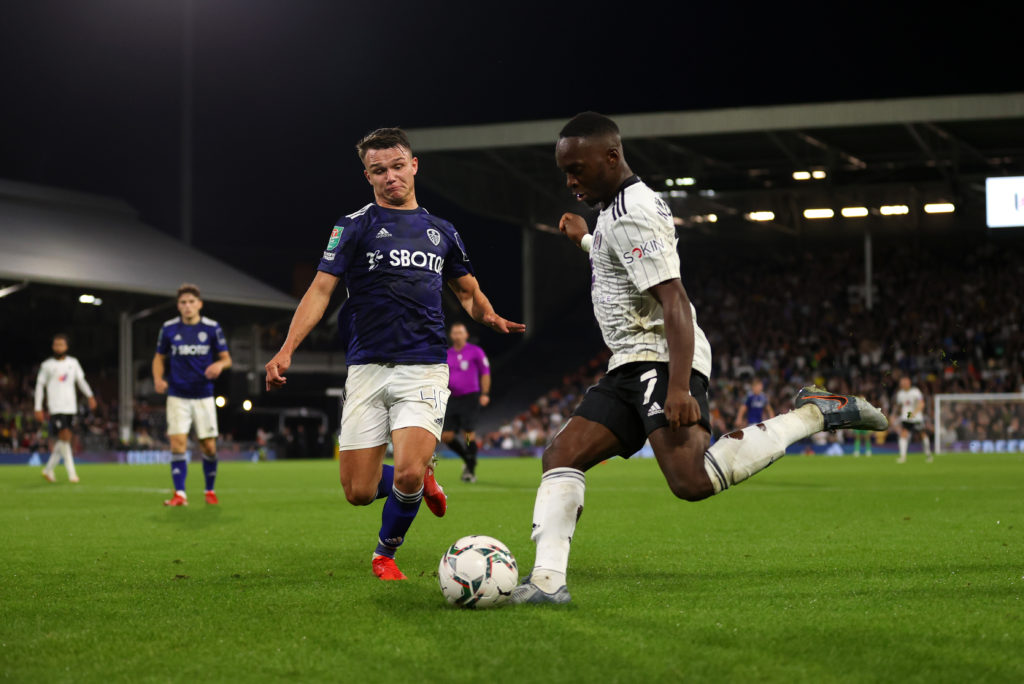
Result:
[
  {"x": 191, "y": 348},
  {"x": 394, "y": 263}
]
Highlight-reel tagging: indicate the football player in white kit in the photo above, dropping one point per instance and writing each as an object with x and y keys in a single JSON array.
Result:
[
  {"x": 657, "y": 383},
  {"x": 58, "y": 377},
  {"x": 909, "y": 406}
]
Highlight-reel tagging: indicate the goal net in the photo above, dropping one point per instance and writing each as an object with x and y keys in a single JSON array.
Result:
[{"x": 979, "y": 423}]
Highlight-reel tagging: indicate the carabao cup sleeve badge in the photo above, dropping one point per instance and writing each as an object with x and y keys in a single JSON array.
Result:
[{"x": 335, "y": 238}]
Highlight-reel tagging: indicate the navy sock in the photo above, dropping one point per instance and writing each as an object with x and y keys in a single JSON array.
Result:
[
  {"x": 179, "y": 469},
  {"x": 210, "y": 471},
  {"x": 399, "y": 512},
  {"x": 387, "y": 481}
]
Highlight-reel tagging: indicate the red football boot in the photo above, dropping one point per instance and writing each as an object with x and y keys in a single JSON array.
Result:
[
  {"x": 211, "y": 498},
  {"x": 385, "y": 569},
  {"x": 176, "y": 500},
  {"x": 433, "y": 494}
]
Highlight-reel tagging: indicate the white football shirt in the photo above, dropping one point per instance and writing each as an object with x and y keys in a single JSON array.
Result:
[
  {"x": 59, "y": 378},
  {"x": 634, "y": 248},
  {"x": 906, "y": 402}
]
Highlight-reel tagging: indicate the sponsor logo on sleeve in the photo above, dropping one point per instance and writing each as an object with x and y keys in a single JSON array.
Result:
[
  {"x": 329, "y": 256},
  {"x": 335, "y": 237},
  {"x": 644, "y": 249}
]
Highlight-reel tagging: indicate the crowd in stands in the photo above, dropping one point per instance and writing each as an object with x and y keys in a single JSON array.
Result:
[{"x": 952, "y": 321}]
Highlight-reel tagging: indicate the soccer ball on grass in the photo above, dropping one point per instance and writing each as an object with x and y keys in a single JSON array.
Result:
[{"x": 477, "y": 572}]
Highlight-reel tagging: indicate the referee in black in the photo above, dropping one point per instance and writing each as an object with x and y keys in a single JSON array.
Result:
[{"x": 469, "y": 379}]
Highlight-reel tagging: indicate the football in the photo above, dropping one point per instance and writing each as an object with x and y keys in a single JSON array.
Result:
[{"x": 477, "y": 572}]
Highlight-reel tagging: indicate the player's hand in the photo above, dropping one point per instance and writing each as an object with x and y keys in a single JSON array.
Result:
[
  {"x": 496, "y": 322},
  {"x": 573, "y": 226},
  {"x": 40, "y": 416},
  {"x": 92, "y": 403},
  {"x": 680, "y": 408},
  {"x": 276, "y": 368},
  {"x": 484, "y": 400},
  {"x": 214, "y": 370},
  {"x": 160, "y": 385}
]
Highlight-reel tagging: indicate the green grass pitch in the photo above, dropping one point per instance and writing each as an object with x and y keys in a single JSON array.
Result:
[{"x": 818, "y": 570}]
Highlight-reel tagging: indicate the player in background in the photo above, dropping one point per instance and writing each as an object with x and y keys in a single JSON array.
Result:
[
  {"x": 58, "y": 377},
  {"x": 656, "y": 387},
  {"x": 909, "y": 405},
  {"x": 862, "y": 436},
  {"x": 395, "y": 259},
  {"x": 191, "y": 352},
  {"x": 469, "y": 379},
  {"x": 755, "y": 407}
]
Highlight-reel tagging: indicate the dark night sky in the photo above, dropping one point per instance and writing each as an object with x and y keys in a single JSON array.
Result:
[{"x": 91, "y": 89}]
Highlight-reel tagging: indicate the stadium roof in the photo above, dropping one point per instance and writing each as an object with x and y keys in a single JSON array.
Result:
[
  {"x": 732, "y": 162},
  {"x": 68, "y": 238}
]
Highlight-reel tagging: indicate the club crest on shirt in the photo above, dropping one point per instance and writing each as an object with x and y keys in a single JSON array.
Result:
[
  {"x": 434, "y": 236},
  {"x": 597, "y": 240},
  {"x": 335, "y": 237},
  {"x": 202, "y": 336}
]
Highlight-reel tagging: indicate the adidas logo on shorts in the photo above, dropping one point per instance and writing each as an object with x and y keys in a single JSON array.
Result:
[
  {"x": 655, "y": 410},
  {"x": 383, "y": 233}
]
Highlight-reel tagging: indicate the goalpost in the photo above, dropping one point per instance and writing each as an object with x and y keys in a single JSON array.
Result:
[{"x": 980, "y": 422}]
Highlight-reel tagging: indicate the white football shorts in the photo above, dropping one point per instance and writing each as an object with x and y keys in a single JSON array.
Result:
[
  {"x": 380, "y": 398},
  {"x": 182, "y": 414}
]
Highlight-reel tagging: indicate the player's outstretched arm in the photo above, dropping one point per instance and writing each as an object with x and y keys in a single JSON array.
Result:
[
  {"x": 307, "y": 315},
  {"x": 476, "y": 304},
  {"x": 680, "y": 408}
]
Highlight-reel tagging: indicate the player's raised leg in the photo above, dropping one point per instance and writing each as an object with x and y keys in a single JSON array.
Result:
[
  {"x": 559, "y": 505},
  {"x": 740, "y": 454}
]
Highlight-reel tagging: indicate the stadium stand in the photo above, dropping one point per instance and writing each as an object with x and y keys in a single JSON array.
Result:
[{"x": 949, "y": 317}]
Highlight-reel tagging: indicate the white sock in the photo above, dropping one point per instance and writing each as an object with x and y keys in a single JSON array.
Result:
[
  {"x": 903, "y": 446},
  {"x": 927, "y": 445},
  {"x": 55, "y": 458},
  {"x": 69, "y": 461},
  {"x": 559, "y": 505},
  {"x": 740, "y": 454}
]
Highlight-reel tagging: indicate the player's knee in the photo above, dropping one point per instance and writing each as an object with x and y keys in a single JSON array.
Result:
[
  {"x": 359, "y": 496},
  {"x": 409, "y": 478}
]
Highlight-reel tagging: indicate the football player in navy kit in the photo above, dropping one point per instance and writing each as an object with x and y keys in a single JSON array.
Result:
[
  {"x": 394, "y": 259},
  {"x": 191, "y": 353}
]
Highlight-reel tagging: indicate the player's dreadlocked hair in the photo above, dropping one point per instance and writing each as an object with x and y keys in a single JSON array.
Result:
[
  {"x": 188, "y": 288},
  {"x": 589, "y": 125},
  {"x": 382, "y": 139}
]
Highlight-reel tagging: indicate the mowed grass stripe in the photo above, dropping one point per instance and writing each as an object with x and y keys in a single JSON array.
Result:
[{"x": 816, "y": 570}]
